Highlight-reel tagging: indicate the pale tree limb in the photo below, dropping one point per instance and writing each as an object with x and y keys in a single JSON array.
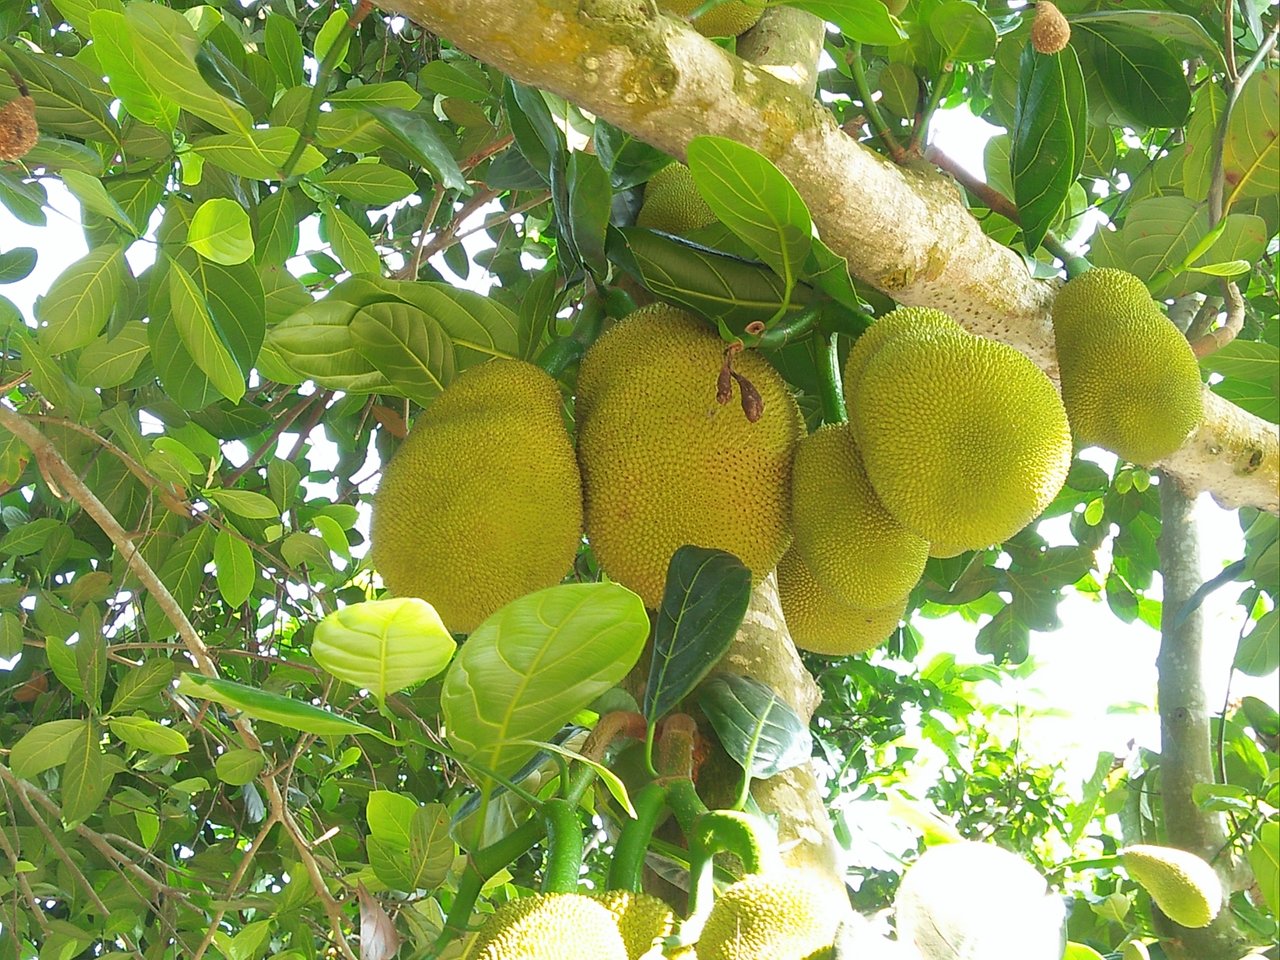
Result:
[{"x": 904, "y": 230}]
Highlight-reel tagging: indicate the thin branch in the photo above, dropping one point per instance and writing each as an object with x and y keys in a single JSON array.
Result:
[
  {"x": 1219, "y": 337},
  {"x": 874, "y": 116},
  {"x": 20, "y": 878},
  {"x": 281, "y": 426}
]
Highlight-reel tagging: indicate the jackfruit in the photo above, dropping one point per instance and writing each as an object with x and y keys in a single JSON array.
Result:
[
  {"x": 672, "y": 202},
  {"x": 853, "y": 546},
  {"x": 550, "y": 926},
  {"x": 1050, "y": 31},
  {"x": 18, "y": 129},
  {"x": 664, "y": 464},
  {"x": 482, "y": 503},
  {"x": 965, "y": 439},
  {"x": 821, "y": 622},
  {"x": 1129, "y": 379},
  {"x": 904, "y": 321},
  {"x": 1184, "y": 886},
  {"x": 767, "y": 916},
  {"x": 643, "y": 920},
  {"x": 727, "y": 20}
]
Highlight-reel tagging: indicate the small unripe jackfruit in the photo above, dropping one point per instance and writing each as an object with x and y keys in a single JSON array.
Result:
[
  {"x": 1129, "y": 379},
  {"x": 964, "y": 438},
  {"x": 482, "y": 503},
  {"x": 822, "y": 623},
  {"x": 1184, "y": 886},
  {"x": 768, "y": 916},
  {"x": 726, "y": 20},
  {"x": 672, "y": 202},
  {"x": 643, "y": 920},
  {"x": 1050, "y": 31},
  {"x": 18, "y": 129},
  {"x": 904, "y": 321},
  {"x": 664, "y": 464},
  {"x": 550, "y": 927},
  {"x": 852, "y": 545}
]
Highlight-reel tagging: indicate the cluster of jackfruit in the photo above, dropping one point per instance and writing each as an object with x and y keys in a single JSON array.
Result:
[
  {"x": 672, "y": 202},
  {"x": 1129, "y": 379},
  {"x": 482, "y": 504},
  {"x": 725, "y": 20}
]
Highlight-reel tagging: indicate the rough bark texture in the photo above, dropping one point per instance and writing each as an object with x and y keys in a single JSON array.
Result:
[
  {"x": 904, "y": 230},
  {"x": 1185, "y": 758}
]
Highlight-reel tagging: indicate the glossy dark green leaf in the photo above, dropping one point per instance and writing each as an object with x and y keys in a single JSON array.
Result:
[
  {"x": 535, "y": 132},
  {"x": 1048, "y": 138},
  {"x": 1143, "y": 80},
  {"x": 1167, "y": 26},
  {"x": 755, "y": 727},
  {"x": 703, "y": 603},
  {"x": 590, "y": 198},
  {"x": 628, "y": 160},
  {"x": 202, "y": 336},
  {"x": 420, "y": 140},
  {"x": 963, "y": 30}
]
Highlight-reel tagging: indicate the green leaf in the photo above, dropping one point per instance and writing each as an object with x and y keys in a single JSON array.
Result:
[
  {"x": 240, "y": 766},
  {"x": 628, "y": 160},
  {"x": 316, "y": 342},
  {"x": 535, "y": 663},
  {"x": 201, "y": 336},
  {"x": 703, "y": 603},
  {"x": 244, "y": 503},
  {"x": 407, "y": 346},
  {"x": 1165, "y": 25},
  {"x": 45, "y": 746},
  {"x": 1048, "y": 138},
  {"x": 372, "y": 183},
  {"x": 284, "y": 50},
  {"x": 1264, "y": 857},
  {"x": 1259, "y": 653},
  {"x": 390, "y": 816},
  {"x": 86, "y": 778},
  {"x": 17, "y": 264},
  {"x": 964, "y": 31},
  {"x": 334, "y": 31},
  {"x": 1251, "y": 158},
  {"x": 863, "y": 21},
  {"x": 144, "y": 734},
  {"x": 220, "y": 232},
  {"x": 91, "y": 665},
  {"x": 30, "y": 537},
  {"x": 350, "y": 242},
  {"x": 257, "y": 154},
  {"x": 753, "y": 198},
  {"x": 272, "y": 707},
  {"x": 1143, "y": 80},
  {"x": 431, "y": 849},
  {"x": 183, "y": 573},
  {"x": 62, "y": 660},
  {"x": 236, "y": 569},
  {"x": 417, "y": 137},
  {"x": 755, "y": 727},
  {"x": 1006, "y": 638},
  {"x": 110, "y": 361},
  {"x": 94, "y": 199},
  {"x": 80, "y": 300},
  {"x": 392, "y": 93},
  {"x": 139, "y": 685},
  {"x": 277, "y": 228},
  {"x": 383, "y": 646},
  {"x": 460, "y": 79},
  {"x": 69, "y": 97}
]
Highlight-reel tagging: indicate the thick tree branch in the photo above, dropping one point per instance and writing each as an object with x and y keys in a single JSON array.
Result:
[{"x": 904, "y": 230}]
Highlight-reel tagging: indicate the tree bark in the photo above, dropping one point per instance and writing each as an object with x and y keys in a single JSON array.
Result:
[
  {"x": 904, "y": 230},
  {"x": 1185, "y": 757}
]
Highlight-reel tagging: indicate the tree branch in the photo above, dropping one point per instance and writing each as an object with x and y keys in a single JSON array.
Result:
[{"x": 904, "y": 230}]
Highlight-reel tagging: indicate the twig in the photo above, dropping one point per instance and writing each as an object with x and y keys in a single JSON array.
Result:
[
  {"x": 414, "y": 263},
  {"x": 281, "y": 426},
  {"x": 21, "y": 879},
  {"x": 874, "y": 116},
  {"x": 921, "y": 130},
  {"x": 236, "y": 877}
]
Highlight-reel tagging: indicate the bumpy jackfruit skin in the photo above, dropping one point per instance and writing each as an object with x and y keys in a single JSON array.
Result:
[
  {"x": 822, "y": 623},
  {"x": 1184, "y": 887},
  {"x": 643, "y": 920},
  {"x": 854, "y": 547},
  {"x": 902, "y": 322},
  {"x": 672, "y": 202},
  {"x": 18, "y": 129},
  {"x": 482, "y": 503},
  {"x": 965, "y": 439},
  {"x": 550, "y": 927},
  {"x": 1050, "y": 31},
  {"x": 664, "y": 464},
  {"x": 1129, "y": 379},
  {"x": 767, "y": 916},
  {"x": 727, "y": 20}
]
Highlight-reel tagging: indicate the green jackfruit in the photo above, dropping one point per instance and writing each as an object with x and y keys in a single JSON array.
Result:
[
  {"x": 482, "y": 503},
  {"x": 664, "y": 464},
  {"x": 964, "y": 438},
  {"x": 905, "y": 321},
  {"x": 672, "y": 202},
  {"x": 1184, "y": 886},
  {"x": 822, "y": 623},
  {"x": 853, "y": 546},
  {"x": 550, "y": 926},
  {"x": 727, "y": 20},
  {"x": 1129, "y": 379},
  {"x": 644, "y": 921},
  {"x": 768, "y": 916}
]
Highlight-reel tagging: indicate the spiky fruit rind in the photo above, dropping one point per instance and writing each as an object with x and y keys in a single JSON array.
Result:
[
  {"x": 664, "y": 464},
  {"x": 783, "y": 913},
  {"x": 1184, "y": 886},
  {"x": 550, "y": 927},
  {"x": 1129, "y": 379},
  {"x": 672, "y": 202},
  {"x": 726, "y": 20},
  {"x": 643, "y": 920},
  {"x": 965, "y": 439},
  {"x": 1050, "y": 31},
  {"x": 18, "y": 129},
  {"x": 855, "y": 548},
  {"x": 824, "y": 624},
  {"x": 482, "y": 503},
  {"x": 902, "y": 322}
]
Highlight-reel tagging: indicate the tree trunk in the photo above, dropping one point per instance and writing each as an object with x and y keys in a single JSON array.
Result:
[{"x": 1185, "y": 758}]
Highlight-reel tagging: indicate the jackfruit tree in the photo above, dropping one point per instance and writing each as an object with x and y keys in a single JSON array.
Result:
[{"x": 625, "y": 479}]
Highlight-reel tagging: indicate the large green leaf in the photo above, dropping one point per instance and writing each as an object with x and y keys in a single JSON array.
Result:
[
  {"x": 417, "y": 136},
  {"x": 628, "y": 160},
  {"x": 236, "y": 570},
  {"x": 126, "y": 72},
  {"x": 317, "y": 343},
  {"x": 80, "y": 300},
  {"x": 140, "y": 685},
  {"x": 220, "y": 232},
  {"x": 86, "y": 777},
  {"x": 1164, "y": 25},
  {"x": 373, "y": 183},
  {"x": 258, "y": 154},
  {"x": 201, "y": 335},
  {"x": 1264, "y": 857},
  {"x": 183, "y": 573},
  {"x": 755, "y": 727},
  {"x": 144, "y": 734},
  {"x": 383, "y": 646},
  {"x": 69, "y": 97},
  {"x": 863, "y": 21},
  {"x": 407, "y": 347},
  {"x": 1251, "y": 158},
  {"x": 109, "y": 361},
  {"x": 535, "y": 663},
  {"x": 45, "y": 746},
  {"x": 1143, "y": 80},
  {"x": 350, "y": 242},
  {"x": 963, "y": 30},
  {"x": 284, "y": 49}
]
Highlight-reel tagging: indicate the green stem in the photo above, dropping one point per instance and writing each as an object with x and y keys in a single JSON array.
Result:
[
  {"x": 627, "y": 869},
  {"x": 722, "y": 830},
  {"x": 1074, "y": 263},
  {"x": 559, "y": 355},
  {"x": 786, "y": 331},
  {"x": 852, "y": 323},
  {"x": 683, "y": 799},
  {"x": 940, "y": 86},
  {"x": 830, "y": 390},
  {"x": 563, "y": 864},
  {"x": 874, "y": 116}
]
